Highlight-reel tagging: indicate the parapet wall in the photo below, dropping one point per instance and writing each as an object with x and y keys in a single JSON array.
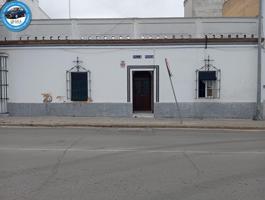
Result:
[{"x": 135, "y": 28}]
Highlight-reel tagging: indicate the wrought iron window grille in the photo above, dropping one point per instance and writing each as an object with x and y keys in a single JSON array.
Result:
[
  {"x": 78, "y": 69},
  {"x": 3, "y": 84},
  {"x": 208, "y": 81}
]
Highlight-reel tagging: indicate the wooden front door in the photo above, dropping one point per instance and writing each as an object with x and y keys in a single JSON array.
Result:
[{"x": 142, "y": 91}]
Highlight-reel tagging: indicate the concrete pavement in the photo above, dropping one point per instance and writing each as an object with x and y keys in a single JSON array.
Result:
[{"x": 130, "y": 122}]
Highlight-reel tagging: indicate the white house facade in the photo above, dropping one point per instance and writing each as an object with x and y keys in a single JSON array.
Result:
[{"x": 116, "y": 67}]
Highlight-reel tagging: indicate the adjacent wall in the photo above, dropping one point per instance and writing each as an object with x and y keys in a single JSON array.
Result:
[
  {"x": 37, "y": 12},
  {"x": 203, "y": 8}
]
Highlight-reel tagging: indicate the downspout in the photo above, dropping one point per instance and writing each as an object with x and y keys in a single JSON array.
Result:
[
  {"x": 259, "y": 114},
  {"x": 69, "y": 6}
]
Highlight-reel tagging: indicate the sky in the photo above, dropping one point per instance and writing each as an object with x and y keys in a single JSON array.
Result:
[{"x": 113, "y": 8}]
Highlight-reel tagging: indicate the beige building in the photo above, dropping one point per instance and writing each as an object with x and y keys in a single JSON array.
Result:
[
  {"x": 241, "y": 8},
  {"x": 219, "y": 8}
]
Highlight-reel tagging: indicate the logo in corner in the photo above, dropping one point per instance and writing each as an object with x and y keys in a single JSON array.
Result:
[{"x": 16, "y": 16}]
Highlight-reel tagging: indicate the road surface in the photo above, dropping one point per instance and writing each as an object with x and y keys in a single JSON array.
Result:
[{"x": 131, "y": 164}]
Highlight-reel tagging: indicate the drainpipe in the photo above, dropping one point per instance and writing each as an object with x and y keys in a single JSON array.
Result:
[
  {"x": 259, "y": 115},
  {"x": 69, "y": 2}
]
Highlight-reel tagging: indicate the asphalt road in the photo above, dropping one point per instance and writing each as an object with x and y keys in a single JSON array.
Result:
[{"x": 131, "y": 164}]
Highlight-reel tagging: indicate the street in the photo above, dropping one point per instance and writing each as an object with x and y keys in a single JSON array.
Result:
[{"x": 131, "y": 164}]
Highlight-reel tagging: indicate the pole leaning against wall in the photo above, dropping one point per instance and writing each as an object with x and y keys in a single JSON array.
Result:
[
  {"x": 259, "y": 114},
  {"x": 174, "y": 93}
]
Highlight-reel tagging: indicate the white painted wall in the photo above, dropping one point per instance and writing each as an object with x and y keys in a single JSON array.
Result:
[
  {"x": 33, "y": 71},
  {"x": 237, "y": 70}
]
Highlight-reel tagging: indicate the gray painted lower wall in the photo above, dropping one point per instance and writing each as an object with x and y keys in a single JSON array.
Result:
[
  {"x": 161, "y": 110},
  {"x": 206, "y": 110},
  {"x": 71, "y": 109}
]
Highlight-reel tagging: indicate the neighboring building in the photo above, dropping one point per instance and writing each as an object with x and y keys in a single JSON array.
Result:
[
  {"x": 37, "y": 12},
  {"x": 123, "y": 69},
  {"x": 203, "y": 8},
  {"x": 241, "y": 8},
  {"x": 218, "y": 8},
  {"x": 2, "y": 3}
]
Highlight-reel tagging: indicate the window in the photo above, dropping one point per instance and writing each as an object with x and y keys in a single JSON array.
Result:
[
  {"x": 78, "y": 83},
  {"x": 208, "y": 81},
  {"x": 207, "y": 84},
  {"x": 208, "y": 89}
]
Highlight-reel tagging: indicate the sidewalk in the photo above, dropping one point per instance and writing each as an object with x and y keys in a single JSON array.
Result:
[{"x": 130, "y": 122}]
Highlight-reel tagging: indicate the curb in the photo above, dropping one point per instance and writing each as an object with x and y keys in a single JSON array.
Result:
[{"x": 131, "y": 126}]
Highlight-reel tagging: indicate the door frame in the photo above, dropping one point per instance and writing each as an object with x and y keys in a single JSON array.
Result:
[{"x": 154, "y": 82}]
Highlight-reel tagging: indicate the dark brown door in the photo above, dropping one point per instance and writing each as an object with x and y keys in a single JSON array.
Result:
[{"x": 142, "y": 91}]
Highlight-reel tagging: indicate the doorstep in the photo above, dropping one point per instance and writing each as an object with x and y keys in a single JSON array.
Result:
[
  {"x": 143, "y": 115},
  {"x": 4, "y": 115}
]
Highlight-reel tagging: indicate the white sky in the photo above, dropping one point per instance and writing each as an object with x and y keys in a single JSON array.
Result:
[{"x": 113, "y": 8}]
